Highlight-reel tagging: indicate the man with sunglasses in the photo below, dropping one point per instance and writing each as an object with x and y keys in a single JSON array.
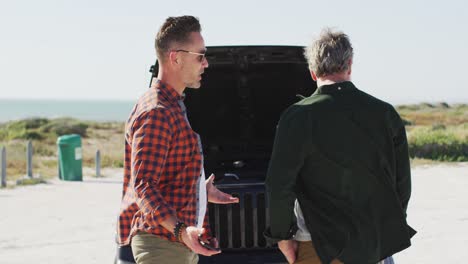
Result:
[{"x": 165, "y": 194}]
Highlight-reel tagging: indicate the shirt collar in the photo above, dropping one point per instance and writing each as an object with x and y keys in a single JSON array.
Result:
[
  {"x": 335, "y": 87},
  {"x": 168, "y": 92}
]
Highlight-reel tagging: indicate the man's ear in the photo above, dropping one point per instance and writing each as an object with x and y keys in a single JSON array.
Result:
[
  {"x": 314, "y": 77},
  {"x": 173, "y": 58}
]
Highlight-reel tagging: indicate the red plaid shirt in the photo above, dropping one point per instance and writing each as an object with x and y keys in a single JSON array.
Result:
[{"x": 162, "y": 166}]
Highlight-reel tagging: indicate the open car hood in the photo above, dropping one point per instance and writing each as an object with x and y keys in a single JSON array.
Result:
[{"x": 243, "y": 93}]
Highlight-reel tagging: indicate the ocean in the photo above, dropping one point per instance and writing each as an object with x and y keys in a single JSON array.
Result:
[{"x": 93, "y": 110}]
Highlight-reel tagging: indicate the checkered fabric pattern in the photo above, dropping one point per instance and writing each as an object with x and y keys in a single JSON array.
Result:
[{"x": 162, "y": 166}]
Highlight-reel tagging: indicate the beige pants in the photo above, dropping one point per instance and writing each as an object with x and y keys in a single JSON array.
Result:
[
  {"x": 306, "y": 254},
  {"x": 151, "y": 249}
]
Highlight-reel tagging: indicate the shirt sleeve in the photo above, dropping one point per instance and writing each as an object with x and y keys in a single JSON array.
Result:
[
  {"x": 150, "y": 145},
  {"x": 286, "y": 161},
  {"x": 403, "y": 170}
]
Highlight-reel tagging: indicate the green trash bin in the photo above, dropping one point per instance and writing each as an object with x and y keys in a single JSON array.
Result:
[{"x": 70, "y": 158}]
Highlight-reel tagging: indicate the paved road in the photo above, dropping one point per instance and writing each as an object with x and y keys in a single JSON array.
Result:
[
  {"x": 60, "y": 222},
  {"x": 438, "y": 210},
  {"x": 74, "y": 222}
]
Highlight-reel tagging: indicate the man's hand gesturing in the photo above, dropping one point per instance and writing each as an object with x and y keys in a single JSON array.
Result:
[{"x": 216, "y": 196}]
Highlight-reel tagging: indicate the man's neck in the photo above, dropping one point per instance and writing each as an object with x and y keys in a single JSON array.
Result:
[
  {"x": 334, "y": 78},
  {"x": 169, "y": 79}
]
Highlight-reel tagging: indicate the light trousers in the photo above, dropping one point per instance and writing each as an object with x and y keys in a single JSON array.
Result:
[
  {"x": 151, "y": 249},
  {"x": 306, "y": 254}
]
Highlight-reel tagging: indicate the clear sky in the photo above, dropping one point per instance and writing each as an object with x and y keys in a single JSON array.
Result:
[{"x": 405, "y": 50}]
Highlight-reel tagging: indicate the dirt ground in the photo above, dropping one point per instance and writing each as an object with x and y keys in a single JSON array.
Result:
[{"x": 74, "y": 222}]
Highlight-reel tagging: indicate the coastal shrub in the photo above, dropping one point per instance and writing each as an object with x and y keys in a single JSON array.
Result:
[
  {"x": 22, "y": 129},
  {"x": 19, "y": 133},
  {"x": 442, "y": 152},
  {"x": 78, "y": 128},
  {"x": 64, "y": 126},
  {"x": 437, "y": 144},
  {"x": 42, "y": 128},
  {"x": 34, "y": 135},
  {"x": 33, "y": 123},
  {"x": 30, "y": 123},
  {"x": 443, "y": 105},
  {"x": 426, "y": 105}
]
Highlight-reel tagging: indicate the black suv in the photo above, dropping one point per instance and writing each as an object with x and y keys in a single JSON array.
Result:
[{"x": 235, "y": 111}]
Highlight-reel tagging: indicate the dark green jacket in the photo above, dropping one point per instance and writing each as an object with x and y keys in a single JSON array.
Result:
[{"x": 344, "y": 155}]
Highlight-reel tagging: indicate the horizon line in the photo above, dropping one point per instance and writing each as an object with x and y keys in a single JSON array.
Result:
[{"x": 394, "y": 101}]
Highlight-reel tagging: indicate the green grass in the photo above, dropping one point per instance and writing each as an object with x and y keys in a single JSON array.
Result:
[
  {"x": 437, "y": 131},
  {"x": 439, "y": 143},
  {"x": 41, "y": 129}
]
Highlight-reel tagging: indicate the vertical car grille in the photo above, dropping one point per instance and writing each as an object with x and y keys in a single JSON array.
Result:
[{"x": 241, "y": 226}]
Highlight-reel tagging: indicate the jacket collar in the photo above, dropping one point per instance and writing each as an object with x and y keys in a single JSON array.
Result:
[{"x": 336, "y": 88}]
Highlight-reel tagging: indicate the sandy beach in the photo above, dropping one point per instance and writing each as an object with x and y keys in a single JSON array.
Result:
[{"x": 74, "y": 222}]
